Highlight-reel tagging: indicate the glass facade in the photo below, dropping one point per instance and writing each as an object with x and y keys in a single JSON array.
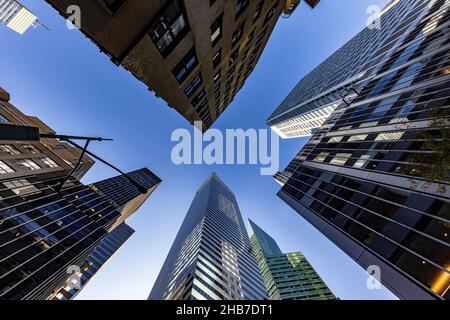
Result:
[
  {"x": 288, "y": 276},
  {"x": 374, "y": 178},
  {"x": 211, "y": 258}
]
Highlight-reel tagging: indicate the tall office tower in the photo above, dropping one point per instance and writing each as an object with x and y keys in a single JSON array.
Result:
[
  {"x": 288, "y": 276},
  {"x": 194, "y": 54},
  {"x": 96, "y": 260},
  {"x": 16, "y": 17},
  {"x": 211, "y": 258},
  {"x": 46, "y": 232},
  {"x": 127, "y": 199},
  {"x": 374, "y": 178}
]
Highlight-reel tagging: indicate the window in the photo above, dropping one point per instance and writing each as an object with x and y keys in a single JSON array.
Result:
[
  {"x": 3, "y": 119},
  {"x": 194, "y": 85},
  {"x": 359, "y": 137},
  {"x": 30, "y": 148},
  {"x": 199, "y": 97},
  {"x": 28, "y": 163},
  {"x": 362, "y": 161},
  {"x": 186, "y": 66},
  {"x": 216, "y": 30},
  {"x": 217, "y": 59},
  {"x": 258, "y": 11},
  {"x": 217, "y": 76},
  {"x": 169, "y": 29},
  {"x": 9, "y": 149},
  {"x": 21, "y": 186},
  {"x": 241, "y": 5},
  {"x": 340, "y": 158},
  {"x": 234, "y": 57},
  {"x": 5, "y": 169},
  {"x": 49, "y": 163},
  {"x": 114, "y": 5},
  {"x": 237, "y": 35},
  {"x": 336, "y": 139},
  {"x": 321, "y": 157},
  {"x": 390, "y": 136}
]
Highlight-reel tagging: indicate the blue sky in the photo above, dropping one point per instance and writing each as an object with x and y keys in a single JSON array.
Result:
[{"x": 62, "y": 78}]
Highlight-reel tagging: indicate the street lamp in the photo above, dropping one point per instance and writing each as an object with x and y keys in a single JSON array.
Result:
[{"x": 11, "y": 132}]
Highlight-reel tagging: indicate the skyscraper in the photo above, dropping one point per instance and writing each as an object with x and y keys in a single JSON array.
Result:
[
  {"x": 288, "y": 276},
  {"x": 15, "y": 16},
  {"x": 211, "y": 258},
  {"x": 194, "y": 54},
  {"x": 374, "y": 177},
  {"x": 45, "y": 231},
  {"x": 95, "y": 261}
]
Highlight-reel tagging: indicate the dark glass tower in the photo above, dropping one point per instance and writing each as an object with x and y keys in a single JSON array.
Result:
[
  {"x": 288, "y": 276},
  {"x": 211, "y": 258},
  {"x": 374, "y": 178},
  {"x": 96, "y": 260}
]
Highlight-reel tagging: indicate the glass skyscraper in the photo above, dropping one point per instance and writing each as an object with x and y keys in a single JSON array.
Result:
[
  {"x": 374, "y": 177},
  {"x": 15, "y": 16},
  {"x": 288, "y": 276},
  {"x": 211, "y": 258}
]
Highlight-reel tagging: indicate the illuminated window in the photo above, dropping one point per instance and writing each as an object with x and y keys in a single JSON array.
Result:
[
  {"x": 4, "y": 168},
  {"x": 49, "y": 163},
  {"x": 9, "y": 149},
  {"x": 362, "y": 161},
  {"x": 28, "y": 163},
  {"x": 360, "y": 137},
  {"x": 335, "y": 139},
  {"x": 21, "y": 186},
  {"x": 340, "y": 158},
  {"x": 30, "y": 148},
  {"x": 321, "y": 157},
  {"x": 397, "y": 135},
  {"x": 216, "y": 30}
]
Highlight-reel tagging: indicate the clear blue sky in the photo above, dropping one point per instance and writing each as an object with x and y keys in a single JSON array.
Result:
[{"x": 61, "y": 77}]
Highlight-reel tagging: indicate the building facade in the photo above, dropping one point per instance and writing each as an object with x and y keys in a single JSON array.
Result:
[
  {"x": 96, "y": 260},
  {"x": 201, "y": 51},
  {"x": 44, "y": 231},
  {"x": 374, "y": 177},
  {"x": 288, "y": 276},
  {"x": 15, "y": 16},
  {"x": 211, "y": 258}
]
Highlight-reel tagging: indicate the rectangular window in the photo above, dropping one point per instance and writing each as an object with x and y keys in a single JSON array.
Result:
[
  {"x": 217, "y": 59},
  {"x": 237, "y": 35},
  {"x": 194, "y": 85},
  {"x": 199, "y": 97},
  {"x": 340, "y": 158},
  {"x": 30, "y": 148},
  {"x": 321, "y": 157},
  {"x": 234, "y": 56},
  {"x": 9, "y": 149},
  {"x": 390, "y": 136},
  {"x": 216, "y": 30},
  {"x": 186, "y": 66},
  {"x": 21, "y": 186},
  {"x": 28, "y": 163},
  {"x": 359, "y": 137},
  {"x": 5, "y": 169},
  {"x": 114, "y": 5},
  {"x": 362, "y": 161},
  {"x": 49, "y": 163},
  {"x": 217, "y": 76},
  {"x": 169, "y": 29},
  {"x": 241, "y": 5}
]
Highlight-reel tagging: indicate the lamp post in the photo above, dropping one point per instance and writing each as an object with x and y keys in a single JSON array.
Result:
[{"x": 10, "y": 132}]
